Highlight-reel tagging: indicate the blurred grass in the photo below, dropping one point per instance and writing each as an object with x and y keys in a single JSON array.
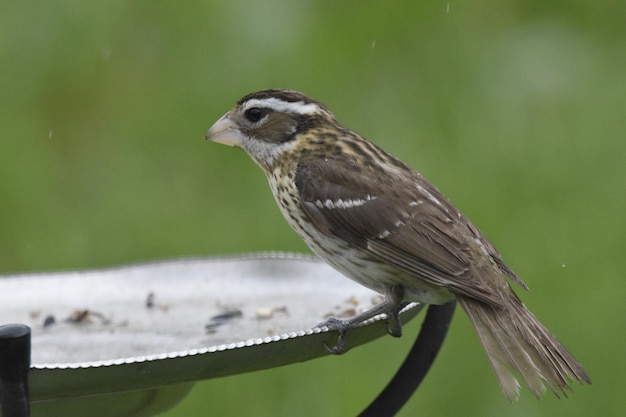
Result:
[{"x": 514, "y": 109}]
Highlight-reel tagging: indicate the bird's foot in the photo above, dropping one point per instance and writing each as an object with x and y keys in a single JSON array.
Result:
[
  {"x": 394, "y": 325},
  {"x": 342, "y": 327}
]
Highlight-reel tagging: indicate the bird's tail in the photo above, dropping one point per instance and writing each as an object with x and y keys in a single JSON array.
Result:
[{"x": 515, "y": 340}]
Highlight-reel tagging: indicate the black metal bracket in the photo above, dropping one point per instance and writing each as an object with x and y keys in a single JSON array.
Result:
[
  {"x": 14, "y": 368},
  {"x": 416, "y": 365}
]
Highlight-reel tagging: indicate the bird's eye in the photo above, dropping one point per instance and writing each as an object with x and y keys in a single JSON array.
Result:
[{"x": 254, "y": 114}]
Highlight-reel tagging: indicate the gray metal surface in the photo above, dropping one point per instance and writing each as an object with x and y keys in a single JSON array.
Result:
[{"x": 142, "y": 326}]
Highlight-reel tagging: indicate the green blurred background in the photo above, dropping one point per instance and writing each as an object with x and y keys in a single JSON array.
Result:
[{"x": 515, "y": 109}]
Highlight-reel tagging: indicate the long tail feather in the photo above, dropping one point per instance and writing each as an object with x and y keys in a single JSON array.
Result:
[{"x": 515, "y": 340}]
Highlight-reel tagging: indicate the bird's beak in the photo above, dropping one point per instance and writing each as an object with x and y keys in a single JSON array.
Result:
[{"x": 224, "y": 131}]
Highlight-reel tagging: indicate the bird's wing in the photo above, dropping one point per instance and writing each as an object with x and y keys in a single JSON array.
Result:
[{"x": 400, "y": 219}]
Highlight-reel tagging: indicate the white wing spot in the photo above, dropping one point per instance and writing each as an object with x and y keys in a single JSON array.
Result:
[
  {"x": 384, "y": 234},
  {"x": 431, "y": 197},
  {"x": 343, "y": 204},
  {"x": 428, "y": 195}
]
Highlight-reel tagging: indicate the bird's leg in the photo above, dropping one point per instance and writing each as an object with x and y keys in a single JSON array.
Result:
[
  {"x": 391, "y": 306},
  {"x": 395, "y": 296},
  {"x": 394, "y": 326}
]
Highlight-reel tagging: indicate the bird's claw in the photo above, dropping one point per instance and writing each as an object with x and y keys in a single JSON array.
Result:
[
  {"x": 394, "y": 325},
  {"x": 394, "y": 328},
  {"x": 342, "y": 327},
  {"x": 340, "y": 348}
]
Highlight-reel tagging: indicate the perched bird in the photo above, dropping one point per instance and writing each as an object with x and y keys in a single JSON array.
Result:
[{"x": 382, "y": 224}]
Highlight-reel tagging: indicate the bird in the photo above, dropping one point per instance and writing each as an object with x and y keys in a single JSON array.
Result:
[{"x": 382, "y": 224}]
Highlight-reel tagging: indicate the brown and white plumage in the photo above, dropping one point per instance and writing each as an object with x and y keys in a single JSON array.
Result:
[{"x": 383, "y": 225}]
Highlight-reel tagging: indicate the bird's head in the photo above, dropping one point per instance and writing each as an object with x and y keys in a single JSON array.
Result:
[{"x": 268, "y": 123}]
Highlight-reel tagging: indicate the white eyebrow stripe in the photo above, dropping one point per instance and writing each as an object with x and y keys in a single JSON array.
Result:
[{"x": 297, "y": 107}]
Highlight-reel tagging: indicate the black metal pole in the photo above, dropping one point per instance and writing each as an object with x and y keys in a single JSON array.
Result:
[
  {"x": 416, "y": 365},
  {"x": 14, "y": 367}
]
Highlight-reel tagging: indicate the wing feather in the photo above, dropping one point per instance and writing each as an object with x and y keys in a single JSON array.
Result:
[{"x": 401, "y": 220}]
